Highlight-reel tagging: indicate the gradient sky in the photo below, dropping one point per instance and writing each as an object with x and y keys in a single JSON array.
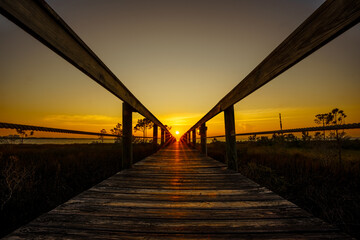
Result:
[{"x": 179, "y": 58}]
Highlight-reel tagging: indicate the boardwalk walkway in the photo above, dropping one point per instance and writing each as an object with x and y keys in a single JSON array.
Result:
[{"x": 177, "y": 194}]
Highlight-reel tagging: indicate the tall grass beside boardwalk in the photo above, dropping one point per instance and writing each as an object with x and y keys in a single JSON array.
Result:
[
  {"x": 36, "y": 178},
  {"x": 308, "y": 174}
]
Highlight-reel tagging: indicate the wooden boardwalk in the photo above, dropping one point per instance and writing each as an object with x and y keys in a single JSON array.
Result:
[{"x": 177, "y": 194}]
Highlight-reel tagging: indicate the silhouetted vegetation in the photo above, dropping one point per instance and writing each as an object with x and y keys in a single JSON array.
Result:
[
  {"x": 117, "y": 130},
  {"x": 335, "y": 117},
  {"x": 305, "y": 172},
  {"x": 36, "y": 178},
  {"x": 101, "y": 137},
  {"x": 142, "y": 125},
  {"x": 23, "y": 134}
]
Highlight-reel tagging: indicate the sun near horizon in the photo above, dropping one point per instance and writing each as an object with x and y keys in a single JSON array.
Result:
[{"x": 152, "y": 48}]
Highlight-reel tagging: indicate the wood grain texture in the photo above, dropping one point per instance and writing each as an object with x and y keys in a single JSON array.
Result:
[
  {"x": 193, "y": 137},
  {"x": 127, "y": 135},
  {"x": 330, "y": 20},
  {"x": 177, "y": 193},
  {"x": 155, "y": 136},
  {"x": 231, "y": 152},
  {"x": 162, "y": 136},
  {"x": 203, "y": 134},
  {"x": 43, "y": 23}
]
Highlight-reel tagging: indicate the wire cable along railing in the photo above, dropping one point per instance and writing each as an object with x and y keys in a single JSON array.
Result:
[
  {"x": 294, "y": 130},
  {"x": 54, "y": 130},
  {"x": 330, "y": 20},
  {"x": 58, "y": 130},
  {"x": 51, "y": 30}
]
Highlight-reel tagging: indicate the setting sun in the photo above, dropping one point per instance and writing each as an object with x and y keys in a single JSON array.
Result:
[{"x": 177, "y": 132}]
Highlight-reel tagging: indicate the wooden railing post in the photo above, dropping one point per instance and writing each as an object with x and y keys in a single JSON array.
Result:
[
  {"x": 127, "y": 148},
  {"x": 231, "y": 155},
  {"x": 203, "y": 138},
  {"x": 155, "y": 135},
  {"x": 194, "y": 137},
  {"x": 188, "y": 139},
  {"x": 162, "y": 137},
  {"x": 166, "y": 137}
]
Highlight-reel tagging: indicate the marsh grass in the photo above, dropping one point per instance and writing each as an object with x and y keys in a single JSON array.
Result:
[
  {"x": 308, "y": 174},
  {"x": 36, "y": 178}
]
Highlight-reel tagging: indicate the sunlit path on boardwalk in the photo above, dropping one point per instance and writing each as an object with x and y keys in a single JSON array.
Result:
[{"x": 177, "y": 194}]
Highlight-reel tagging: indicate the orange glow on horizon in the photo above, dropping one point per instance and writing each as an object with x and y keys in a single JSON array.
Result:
[{"x": 39, "y": 88}]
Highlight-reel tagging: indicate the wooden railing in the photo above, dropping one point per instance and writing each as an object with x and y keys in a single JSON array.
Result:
[
  {"x": 38, "y": 19},
  {"x": 295, "y": 130},
  {"x": 330, "y": 20}
]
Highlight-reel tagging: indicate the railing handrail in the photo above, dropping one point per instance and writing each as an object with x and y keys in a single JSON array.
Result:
[
  {"x": 48, "y": 129},
  {"x": 309, "y": 129},
  {"x": 49, "y": 28},
  {"x": 58, "y": 130},
  {"x": 330, "y": 20}
]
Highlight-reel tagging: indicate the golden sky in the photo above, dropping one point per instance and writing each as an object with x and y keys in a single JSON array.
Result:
[{"x": 179, "y": 58}]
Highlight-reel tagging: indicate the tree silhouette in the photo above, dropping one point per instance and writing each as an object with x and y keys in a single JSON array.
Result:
[
  {"x": 117, "y": 130},
  {"x": 23, "y": 134},
  {"x": 305, "y": 136},
  {"x": 290, "y": 137},
  {"x": 318, "y": 136},
  {"x": 142, "y": 125},
  {"x": 252, "y": 138},
  {"x": 335, "y": 117},
  {"x": 101, "y": 137},
  {"x": 322, "y": 118}
]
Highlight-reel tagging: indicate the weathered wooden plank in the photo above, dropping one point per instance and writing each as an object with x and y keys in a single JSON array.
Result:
[
  {"x": 114, "y": 196},
  {"x": 203, "y": 129},
  {"x": 155, "y": 136},
  {"x": 177, "y": 188},
  {"x": 177, "y": 202},
  {"x": 265, "y": 203},
  {"x": 39, "y": 20},
  {"x": 330, "y": 20},
  {"x": 204, "y": 214},
  {"x": 162, "y": 137},
  {"x": 186, "y": 179},
  {"x": 116, "y": 223},
  {"x": 56, "y": 233},
  {"x": 127, "y": 148},
  {"x": 231, "y": 154}
]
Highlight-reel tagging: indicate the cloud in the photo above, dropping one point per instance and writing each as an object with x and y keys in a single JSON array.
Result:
[
  {"x": 89, "y": 120},
  {"x": 183, "y": 119}
]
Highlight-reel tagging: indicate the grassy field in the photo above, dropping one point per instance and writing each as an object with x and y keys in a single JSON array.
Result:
[
  {"x": 36, "y": 178},
  {"x": 308, "y": 174}
]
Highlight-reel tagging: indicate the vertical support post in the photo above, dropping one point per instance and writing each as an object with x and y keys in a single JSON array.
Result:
[
  {"x": 189, "y": 138},
  {"x": 162, "y": 137},
  {"x": 194, "y": 137},
  {"x": 127, "y": 148},
  {"x": 231, "y": 154},
  {"x": 166, "y": 137},
  {"x": 155, "y": 135},
  {"x": 203, "y": 138}
]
